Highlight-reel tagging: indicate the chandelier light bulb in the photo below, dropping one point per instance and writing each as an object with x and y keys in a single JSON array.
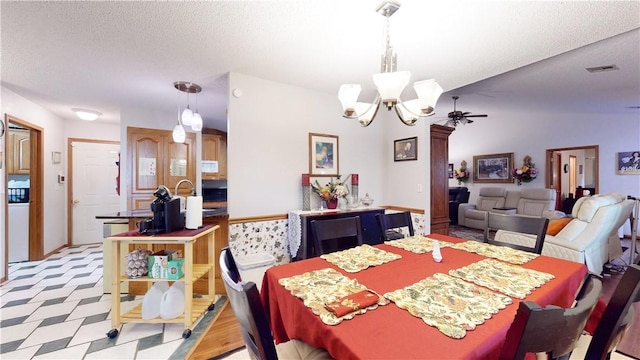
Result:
[
  {"x": 187, "y": 116},
  {"x": 178, "y": 134},
  {"x": 196, "y": 122}
]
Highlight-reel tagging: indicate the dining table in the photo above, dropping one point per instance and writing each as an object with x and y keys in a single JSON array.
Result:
[{"x": 389, "y": 330}]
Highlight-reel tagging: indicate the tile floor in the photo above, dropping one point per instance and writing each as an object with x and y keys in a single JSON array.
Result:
[{"x": 56, "y": 309}]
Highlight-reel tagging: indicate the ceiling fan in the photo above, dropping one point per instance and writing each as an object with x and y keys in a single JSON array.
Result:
[{"x": 458, "y": 117}]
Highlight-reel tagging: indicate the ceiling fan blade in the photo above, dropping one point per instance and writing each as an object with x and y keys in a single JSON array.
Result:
[
  {"x": 465, "y": 113},
  {"x": 469, "y": 121},
  {"x": 481, "y": 115}
]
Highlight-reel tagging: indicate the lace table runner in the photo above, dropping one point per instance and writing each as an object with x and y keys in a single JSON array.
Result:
[
  {"x": 417, "y": 244},
  {"x": 508, "y": 279},
  {"x": 321, "y": 287},
  {"x": 503, "y": 253},
  {"x": 451, "y": 305},
  {"x": 359, "y": 258}
]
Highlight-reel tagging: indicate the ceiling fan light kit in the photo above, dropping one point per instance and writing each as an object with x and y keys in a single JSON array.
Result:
[{"x": 390, "y": 83}]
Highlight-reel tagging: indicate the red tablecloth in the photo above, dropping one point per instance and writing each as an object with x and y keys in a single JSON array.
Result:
[{"x": 392, "y": 333}]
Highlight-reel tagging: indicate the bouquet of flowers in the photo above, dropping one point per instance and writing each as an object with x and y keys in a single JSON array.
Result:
[
  {"x": 527, "y": 172},
  {"x": 332, "y": 190},
  {"x": 462, "y": 174}
]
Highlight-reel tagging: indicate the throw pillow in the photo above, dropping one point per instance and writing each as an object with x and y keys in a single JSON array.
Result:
[{"x": 556, "y": 225}]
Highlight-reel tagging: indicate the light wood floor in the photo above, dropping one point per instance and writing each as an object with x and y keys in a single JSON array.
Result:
[{"x": 222, "y": 336}]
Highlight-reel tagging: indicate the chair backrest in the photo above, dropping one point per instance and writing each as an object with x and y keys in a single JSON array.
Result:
[
  {"x": 552, "y": 330},
  {"x": 536, "y": 201},
  {"x": 247, "y": 307},
  {"x": 520, "y": 224},
  {"x": 491, "y": 197},
  {"x": 394, "y": 221},
  {"x": 230, "y": 265},
  {"x": 342, "y": 230},
  {"x": 617, "y": 316}
]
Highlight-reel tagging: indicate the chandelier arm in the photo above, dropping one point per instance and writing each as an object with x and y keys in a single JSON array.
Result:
[
  {"x": 375, "y": 103},
  {"x": 421, "y": 114},
  {"x": 411, "y": 122}
]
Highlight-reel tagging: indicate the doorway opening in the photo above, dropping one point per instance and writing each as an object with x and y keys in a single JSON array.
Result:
[
  {"x": 24, "y": 188},
  {"x": 572, "y": 171}
]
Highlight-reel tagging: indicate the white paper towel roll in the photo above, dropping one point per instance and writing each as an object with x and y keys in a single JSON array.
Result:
[{"x": 194, "y": 212}]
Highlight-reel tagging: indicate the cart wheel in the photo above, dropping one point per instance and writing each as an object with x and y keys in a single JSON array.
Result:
[
  {"x": 186, "y": 333},
  {"x": 211, "y": 307},
  {"x": 112, "y": 333}
]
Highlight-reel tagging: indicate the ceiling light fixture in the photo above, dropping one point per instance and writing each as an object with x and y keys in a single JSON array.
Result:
[
  {"x": 189, "y": 118},
  {"x": 87, "y": 115},
  {"x": 390, "y": 83},
  {"x": 178, "y": 133}
]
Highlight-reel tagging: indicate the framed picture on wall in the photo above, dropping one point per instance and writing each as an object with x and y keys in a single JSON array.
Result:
[
  {"x": 629, "y": 163},
  {"x": 405, "y": 149},
  {"x": 493, "y": 168},
  {"x": 323, "y": 155},
  {"x": 450, "y": 172}
]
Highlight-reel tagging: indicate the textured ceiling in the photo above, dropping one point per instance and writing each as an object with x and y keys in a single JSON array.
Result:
[{"x": 111, "y": 55}]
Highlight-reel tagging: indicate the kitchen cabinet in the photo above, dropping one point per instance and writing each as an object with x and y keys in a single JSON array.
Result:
[
  {"x": 214, "y": 148},
  {"x": 155, "y": 159},
  {"x": 18, "y": 152},
  {"x": 193, "y": 307},
  {"x": 440, "y": 179}
]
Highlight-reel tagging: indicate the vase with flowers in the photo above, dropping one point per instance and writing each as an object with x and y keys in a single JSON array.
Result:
[
  {"x": 331, "y": 191},
  {"x": 462, "y": 174},
  {"x": 527, "y": 172}
]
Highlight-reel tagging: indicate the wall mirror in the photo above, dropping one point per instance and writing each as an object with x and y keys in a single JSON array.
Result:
[{"x": 581, "y": 165}]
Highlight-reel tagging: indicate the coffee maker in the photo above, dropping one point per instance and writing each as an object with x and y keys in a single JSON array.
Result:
[{"x": 166, "y": 214}]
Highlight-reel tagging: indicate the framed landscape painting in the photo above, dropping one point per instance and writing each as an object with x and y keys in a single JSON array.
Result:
[
  {"x": 493, "y": 168},
  {"x": 323, "y": 155}
]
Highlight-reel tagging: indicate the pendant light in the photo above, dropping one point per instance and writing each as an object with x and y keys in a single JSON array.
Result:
[
  {"x": 196, "y": 120},
  {"x": 178, "y": 133},
  {"x": 189, "y": 118}
]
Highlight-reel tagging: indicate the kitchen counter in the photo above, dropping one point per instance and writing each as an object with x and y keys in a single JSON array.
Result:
[{"x": 143, "y": 214}]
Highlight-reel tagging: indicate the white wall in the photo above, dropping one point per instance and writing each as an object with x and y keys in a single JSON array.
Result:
[
  {"x": 56, "y": 131},
  {"x": 268, "y": 146}
]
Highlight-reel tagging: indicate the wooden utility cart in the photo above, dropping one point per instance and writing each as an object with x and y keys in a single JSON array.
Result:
[{"x": 193, "y": 308}]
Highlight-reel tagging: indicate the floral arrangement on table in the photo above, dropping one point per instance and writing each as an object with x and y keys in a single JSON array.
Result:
[
  {"x": 527, "y": 172},
  {"x": 462, "y": 174},
  {"x": 331, "y": 191}
]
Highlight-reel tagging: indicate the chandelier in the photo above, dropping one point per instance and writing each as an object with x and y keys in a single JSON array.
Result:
[{"x": 390, "y": 83}]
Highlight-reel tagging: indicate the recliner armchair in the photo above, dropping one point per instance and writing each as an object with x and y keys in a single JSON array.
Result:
[
  {"x": 457, "y": 196},
  {"x": 589, "y": 236},
  {"x": 475, "y": 215}
]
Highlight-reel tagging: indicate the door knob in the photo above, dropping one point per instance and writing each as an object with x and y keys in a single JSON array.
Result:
[{"x": 75, "y": 202}]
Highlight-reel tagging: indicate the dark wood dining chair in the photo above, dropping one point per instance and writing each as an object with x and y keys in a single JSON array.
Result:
[
  {"x": 388, "y": 222},
  {"x": 617, "y": 316},
  {"x": 247, "y": 307},
  {"x": 552, "y": 330},
  {"x": 520, "y": 224},
  {"x": 336, "y": 234}
]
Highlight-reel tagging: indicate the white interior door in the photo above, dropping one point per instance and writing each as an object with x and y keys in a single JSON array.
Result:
[{"x": 94, "y": 189}]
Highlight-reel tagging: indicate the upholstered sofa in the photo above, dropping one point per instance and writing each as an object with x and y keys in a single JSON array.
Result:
[
  {"x": 457, "y": 195},
  {"x": 537, "y": 202},
  {"x": 590, "y": 237}
]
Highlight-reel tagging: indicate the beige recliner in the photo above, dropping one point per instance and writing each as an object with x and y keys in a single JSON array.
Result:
[
  {"x": 475, "y": 215},
  {"x": 538, "y": 202},
  {"x": 590, "y": 236}
]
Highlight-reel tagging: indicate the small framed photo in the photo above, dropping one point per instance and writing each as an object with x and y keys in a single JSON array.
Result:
[
  {"x": 323, "y": 155},
  {"x": 629, "y": 163},
  {"x": 493, "y": 168},
  {"x": 405, "y": 149},
  {"x": 450, "y": 171},
  {"x": 55, "y": 157}
]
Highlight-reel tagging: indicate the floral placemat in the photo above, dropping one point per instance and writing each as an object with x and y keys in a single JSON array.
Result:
[
  {"x": 359, "y": 258},
  {"x": 320, "y": 288},
  {"x": 449, "y": 304},
  {"x": 417, "y": 244},
  {"x": 503, "y": 253},
  {"x": 508, "y": 279}
]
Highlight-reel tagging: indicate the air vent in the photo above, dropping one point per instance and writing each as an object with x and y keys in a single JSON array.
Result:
[{"x": 596, "y": 69}]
